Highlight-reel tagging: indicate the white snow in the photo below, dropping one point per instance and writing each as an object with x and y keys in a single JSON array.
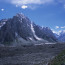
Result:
[
  {"x": 39, "y": 44},
  {"x": 2, "y": 24},
  {"x": 30, "y": 38},
  {"x": 50, "y": 43},
  {"x": 20, "y": 15},
  {"x": 34, "y": 33}
]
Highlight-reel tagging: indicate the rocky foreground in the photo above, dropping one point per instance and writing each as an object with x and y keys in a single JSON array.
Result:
[{"x": 30, "y": 55}]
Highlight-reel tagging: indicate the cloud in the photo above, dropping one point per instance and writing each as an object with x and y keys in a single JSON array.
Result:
[
  {"x": 24, "y": 6},
  {"x": 28, "y": 3},
  {"x": 2, "y": 9},
  {"x": 62, "y": 27},
  {"x": 57, "y": 27},
  {"x": 64, "y": 5},
  {"x": 22, "y": 2}
]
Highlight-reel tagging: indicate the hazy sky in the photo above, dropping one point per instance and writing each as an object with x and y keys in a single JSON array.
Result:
[{"x": 50, "y": 13}]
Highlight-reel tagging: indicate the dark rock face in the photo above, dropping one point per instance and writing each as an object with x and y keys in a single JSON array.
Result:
[
  {"x": 44, "y": 33},
  {"x": 20, "y": 26},
  {"x": 23, "y": 26}
]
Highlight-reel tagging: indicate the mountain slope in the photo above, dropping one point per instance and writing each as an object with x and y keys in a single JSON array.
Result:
[
  {"x": 44, "y": 33},
  {"x": 62, "y": 36},
  {"x": 19, "y": 28}
]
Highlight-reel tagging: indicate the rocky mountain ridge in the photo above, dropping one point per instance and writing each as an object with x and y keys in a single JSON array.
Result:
[{"x": 20, "y": 29}]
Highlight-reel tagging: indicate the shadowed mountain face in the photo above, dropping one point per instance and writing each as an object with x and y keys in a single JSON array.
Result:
[
  {"x": 45, "y": 33},
  {"x": 21, "y": 27}
]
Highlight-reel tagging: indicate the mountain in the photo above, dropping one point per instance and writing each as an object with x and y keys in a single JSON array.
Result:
[
  {"x": 62, "y": 36},
  {"x": 20, "y": 29},
  {"x": 44, "y": 33}
]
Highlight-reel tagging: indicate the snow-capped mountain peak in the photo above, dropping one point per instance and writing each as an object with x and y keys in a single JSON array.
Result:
[
  {"x": 21, "y": 15},
  {"x": 62, "y": 32},
  {"x": 60, "y": 35},
  {"x": 21, "y": 27}
]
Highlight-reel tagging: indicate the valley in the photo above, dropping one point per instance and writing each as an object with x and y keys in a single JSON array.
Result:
[
  {"x": 30, "y": 55},
  {"x": 23, "y": 42}
]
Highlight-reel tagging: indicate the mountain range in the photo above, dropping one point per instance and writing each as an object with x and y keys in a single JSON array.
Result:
[
  {"x": 61, "y": 36},
  {"x": 19, "y": 30}
]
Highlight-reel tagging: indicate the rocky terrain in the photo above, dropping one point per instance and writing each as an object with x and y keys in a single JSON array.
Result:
[
  {"x": 29, "y": 55},
  {"x": 22, "y": 42},
  {"x": 19, "y": 29}
]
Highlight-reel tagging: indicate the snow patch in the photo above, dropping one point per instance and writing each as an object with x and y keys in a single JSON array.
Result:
[
  {"x": 30, "y": 38},
  {"x": 39, "y": 44},
  {"x": 50, "y": 43},
  {"x": 2, "y": 24},
  {"x": 20, "y": 15},
  {"x": 34, "y": 33}
]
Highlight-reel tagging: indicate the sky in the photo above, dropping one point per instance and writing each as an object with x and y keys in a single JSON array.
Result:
[{"x": 46, "y": 13}]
